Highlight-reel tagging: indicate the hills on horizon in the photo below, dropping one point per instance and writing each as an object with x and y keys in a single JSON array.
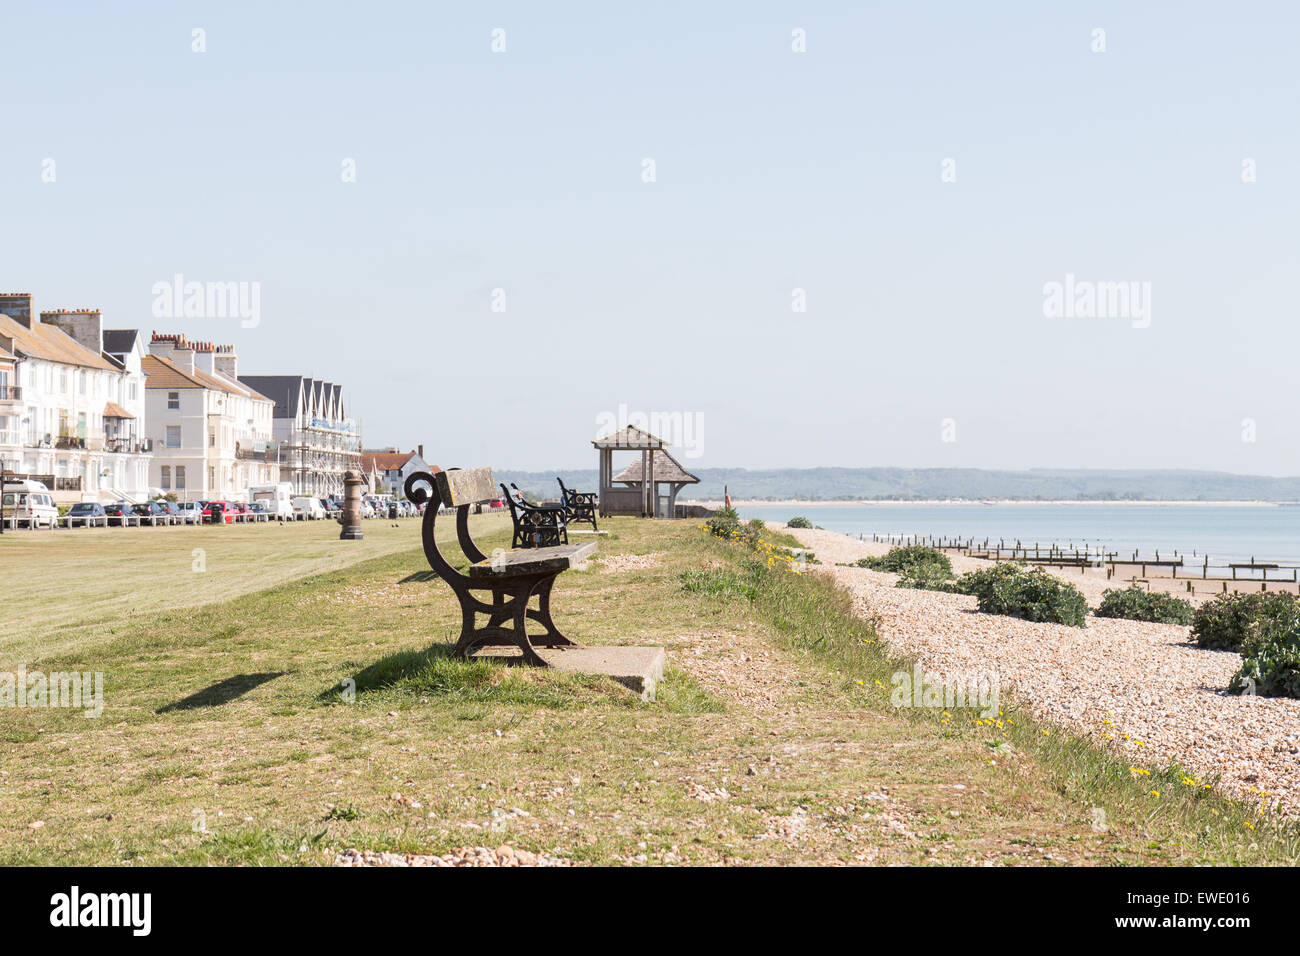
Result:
[{"x": 974, "y": 484}]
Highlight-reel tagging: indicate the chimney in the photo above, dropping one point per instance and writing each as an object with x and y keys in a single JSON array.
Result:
[
  {"x": 174, "y": 348},
  {"x": 18, "y": 306},
  {"x": 227, "y": 362},
  {"x": 84, "y": 325},
  {"x": 203, "y": 357},
  {"x": 420, "y": 452}
]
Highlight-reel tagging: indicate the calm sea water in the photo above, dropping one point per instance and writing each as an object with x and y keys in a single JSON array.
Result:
[{"x": 1265, "y": 532}]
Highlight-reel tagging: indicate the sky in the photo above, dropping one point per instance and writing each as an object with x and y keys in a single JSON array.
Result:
[{"x": 799, "y": 234}]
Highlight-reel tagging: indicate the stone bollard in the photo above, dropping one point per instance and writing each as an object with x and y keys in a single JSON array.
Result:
[{"x": 353, "y": 482}]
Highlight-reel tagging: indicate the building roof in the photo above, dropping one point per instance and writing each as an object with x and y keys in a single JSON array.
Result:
[
  {"x": 52, "y": 344},
  {"x": 630, "y": 437},
  {"x": 114, "y": 410},
  {"x": 120, "y": 341},
  {"x": 164, "y": 373},
  {"x": 666, "y": 468},
  {"x": 284, "y": 390},
  {"x": 386, "y": 461}
]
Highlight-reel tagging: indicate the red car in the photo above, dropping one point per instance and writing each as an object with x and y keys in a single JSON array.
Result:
[{"x": 218, "y": 512}]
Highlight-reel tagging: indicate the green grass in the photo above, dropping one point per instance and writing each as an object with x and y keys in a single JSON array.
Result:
[{"x": 231, "y": 710}]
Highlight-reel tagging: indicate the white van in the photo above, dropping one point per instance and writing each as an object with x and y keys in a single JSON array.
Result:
[
  {"x": 277, "y": 498},
  {"x": 30, "y": 503},
  {"x": 306, "y": 508}
]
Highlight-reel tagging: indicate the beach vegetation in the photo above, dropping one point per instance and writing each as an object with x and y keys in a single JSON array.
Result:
[
  {"x": 1271, "y": 655},
  {"x": 1133, "y": 603},
  {"x": 925, "y": 577},
  {"x": 798, "y": 521},
  {"x": 1225, "y": 623},
  {"x": 1035, "y": 595},
  {"x": 907, "y": 557}
]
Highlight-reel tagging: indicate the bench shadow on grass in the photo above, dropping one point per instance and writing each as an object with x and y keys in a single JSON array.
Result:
[
  {"x": 437, "y": 672},
  {"x": 222, "y": 692}
]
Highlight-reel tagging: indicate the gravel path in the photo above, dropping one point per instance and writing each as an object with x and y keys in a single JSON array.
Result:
[{"x": 1139, "y": 688}]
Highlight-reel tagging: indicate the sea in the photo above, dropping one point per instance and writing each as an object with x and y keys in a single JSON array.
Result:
[{"x": 1223, "y": 532}]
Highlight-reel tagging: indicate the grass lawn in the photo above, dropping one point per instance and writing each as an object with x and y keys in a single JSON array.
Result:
[{"x": 225, "y": 738}]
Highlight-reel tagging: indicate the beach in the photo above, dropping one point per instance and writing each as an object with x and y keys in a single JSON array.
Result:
[{"x": 1138, "y": 688}]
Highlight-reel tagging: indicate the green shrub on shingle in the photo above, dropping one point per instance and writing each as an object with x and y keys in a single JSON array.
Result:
[
  {"x": 1226, "y": 623},
  {"x": 1135, "y": 604},
  {"x": 1029, "y": 595},
  {"x": 1271, "y": 654}
]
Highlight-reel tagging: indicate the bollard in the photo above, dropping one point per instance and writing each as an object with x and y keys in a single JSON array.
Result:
[{"x": 350, "y": 518}]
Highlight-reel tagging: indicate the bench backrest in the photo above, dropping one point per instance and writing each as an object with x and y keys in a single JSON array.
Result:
[{"x": 465, "y": 486}]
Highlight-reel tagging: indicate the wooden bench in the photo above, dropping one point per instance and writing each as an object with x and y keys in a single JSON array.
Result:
[
  {"x": 512, "y": 577},
  {"x": 536, "y": 526},
  {"x": 580, "y": 506}
]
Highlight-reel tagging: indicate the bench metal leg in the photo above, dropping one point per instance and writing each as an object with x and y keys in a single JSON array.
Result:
[
  {"x": 552, "y": 637},
  {"x": 508, "y": 617}
]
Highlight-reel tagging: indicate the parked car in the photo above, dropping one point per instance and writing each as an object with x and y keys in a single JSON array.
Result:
[
  {"x": 258, "y": 511},
  {"x": 278, "y": 499},
  {"x": 218, "y": 512},
  {"x": 29, "y": 502},
  {"x": 121, "y": 513},
  {"x": 88, "y": 514},
  {"x": 191, "y": 511},
  {"x": 307, "y": 509},
  {"x": 173, "y": 509},
  {"x": 152, "y": 512}
]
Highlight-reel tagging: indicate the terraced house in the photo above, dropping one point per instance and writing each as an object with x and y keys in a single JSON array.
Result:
[
  {"x": 71, "y": 402},
  {"x": 211, "y": 433},
  {"x": 317, "y": 438}
]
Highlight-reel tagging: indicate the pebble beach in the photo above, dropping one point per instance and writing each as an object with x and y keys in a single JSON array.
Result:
[{"x": 1141, "y": 689}]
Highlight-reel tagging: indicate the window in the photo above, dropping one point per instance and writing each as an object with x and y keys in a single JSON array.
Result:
[
  {"x": 173, "y": 399},
  {"x": 131, "y": 391},
  {"x": 212, "y": 439},
  {"x": 212, "y": 476},
  {"x": 173, "y": 436},
  {"x": 180, "y": 477},
  {"x": 166, "y": 476}
]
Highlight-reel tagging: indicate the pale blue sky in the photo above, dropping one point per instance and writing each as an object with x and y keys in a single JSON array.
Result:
[{"x": 775, "y": 170}]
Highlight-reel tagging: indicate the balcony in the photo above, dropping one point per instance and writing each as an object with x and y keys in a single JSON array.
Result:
[
  {"x": 46, "y": 480},
  {"x": 67, "y": 484},
  {"x": 11, "y": 393},
  {"x": 70, "y": 442},
  {"x": 128, "y": 446},
  {"x": 252, "y": 454}
]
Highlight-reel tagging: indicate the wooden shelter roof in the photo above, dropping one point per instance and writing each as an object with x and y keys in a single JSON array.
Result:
[
  {"x": 630, "y": 437},
  {"x": 666, "y": 468}
]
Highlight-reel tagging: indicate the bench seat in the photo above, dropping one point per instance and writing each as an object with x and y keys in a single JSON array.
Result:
[{"x": 532, "y": 560}]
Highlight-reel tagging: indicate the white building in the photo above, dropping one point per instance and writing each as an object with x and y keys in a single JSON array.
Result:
[
  {"x": 211, "y": 433},
  {"x": 70, "y": 410},
  {"x": 318, "y": 439},
  {"x": 390, "y": 468}
]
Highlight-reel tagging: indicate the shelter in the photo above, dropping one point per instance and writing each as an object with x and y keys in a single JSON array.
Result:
[
  {"x": 635, "y": 490},
  {"x": 665, "y": 470}
]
